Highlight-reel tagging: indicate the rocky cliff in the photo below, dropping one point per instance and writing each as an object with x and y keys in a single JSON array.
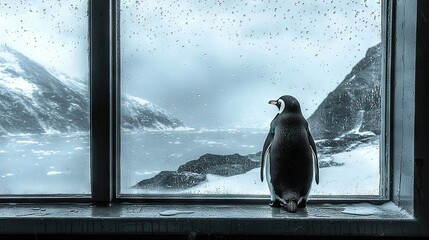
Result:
[{"x": 355, "y": 105}]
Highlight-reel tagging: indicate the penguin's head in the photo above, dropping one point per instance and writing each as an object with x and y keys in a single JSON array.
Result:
[{"x": 287, "y": 104}]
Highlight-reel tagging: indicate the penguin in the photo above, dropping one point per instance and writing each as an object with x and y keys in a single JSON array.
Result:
[{"x": 289, "y": 156}]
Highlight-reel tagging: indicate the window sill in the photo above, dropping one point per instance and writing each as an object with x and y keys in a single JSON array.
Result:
[{"x": 318, "y": 219}]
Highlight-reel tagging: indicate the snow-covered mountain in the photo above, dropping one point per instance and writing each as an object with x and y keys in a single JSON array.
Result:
[
  {"x": 355, "y": 105},
  {"x": 34, "y": 99},
  {"x": 138, "y": 113}
]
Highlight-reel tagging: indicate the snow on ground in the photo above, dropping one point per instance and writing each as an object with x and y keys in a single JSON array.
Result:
[{"x": 358, "y": 176}]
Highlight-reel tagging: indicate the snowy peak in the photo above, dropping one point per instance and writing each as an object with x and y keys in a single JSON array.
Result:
[
  {"x": 139, "y": 113},
  {"x": 36, "y": 100},
  {"x": 355, "y": 105},
  {"x": 9, "y": 69},
  {"x": 80, "y": 85}
]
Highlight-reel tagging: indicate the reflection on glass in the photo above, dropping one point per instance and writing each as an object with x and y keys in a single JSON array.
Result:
[
  {"x": 44, "y": 105},
  {"x": 197, "y": 76}
]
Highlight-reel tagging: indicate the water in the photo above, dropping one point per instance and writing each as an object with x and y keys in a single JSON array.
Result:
[
  {"x": 44, "y": 164},
  {"x": 143, "y": 155},
  {"x": 60, "y": 164}
]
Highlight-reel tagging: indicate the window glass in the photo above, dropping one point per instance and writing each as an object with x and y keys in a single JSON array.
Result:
[
  {"x": 44, "y": 100},
  {"x": 197, "y": 76}
]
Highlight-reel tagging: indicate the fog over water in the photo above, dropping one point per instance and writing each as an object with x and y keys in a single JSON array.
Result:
[{"x": 53, "y": 33}]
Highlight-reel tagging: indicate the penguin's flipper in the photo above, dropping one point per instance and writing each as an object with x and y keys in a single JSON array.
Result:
[
  {"x": 265, "y": 152},
  {"x": 265, "y": 162},
  {"x": 316, "y": 167},
  {"x": 315, "y": 158}
]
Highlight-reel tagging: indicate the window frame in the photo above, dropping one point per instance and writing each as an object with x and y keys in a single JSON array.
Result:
[
  {"x": 104, "y": 61},
  {"x": 407, "y": 60},
  {"x": 384, "y": 162},
  {"x": 402, "y": 25}
]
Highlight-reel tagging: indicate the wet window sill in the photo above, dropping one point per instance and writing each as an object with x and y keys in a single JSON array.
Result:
[{"x": 317, "y": 219}]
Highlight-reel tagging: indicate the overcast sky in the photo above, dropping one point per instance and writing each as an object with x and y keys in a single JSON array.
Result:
[
  {"x": 210, "y": 63},
  {"x": 218, "y": 63},
  {"x": 51, "y": 32}
]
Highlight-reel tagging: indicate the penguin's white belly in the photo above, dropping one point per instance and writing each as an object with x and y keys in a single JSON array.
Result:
[{"x": 268, "y": 176}]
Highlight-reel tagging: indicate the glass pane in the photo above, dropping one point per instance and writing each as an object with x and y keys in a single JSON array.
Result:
[
  {"x": 197, "y": 76},
  {"x": 44, "y": 98}
]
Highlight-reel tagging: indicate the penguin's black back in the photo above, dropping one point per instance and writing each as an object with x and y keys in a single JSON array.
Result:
[{"x": 291, "y": 157}]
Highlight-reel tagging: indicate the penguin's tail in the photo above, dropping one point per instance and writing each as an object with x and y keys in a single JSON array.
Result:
[
  {"x": 291, "y": 200},
  {"x": 291, "y": 205}
]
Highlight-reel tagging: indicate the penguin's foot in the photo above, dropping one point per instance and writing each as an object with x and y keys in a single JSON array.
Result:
[
  {"x": 302, "y": 203},
  {"x": 275, "y": 204}
]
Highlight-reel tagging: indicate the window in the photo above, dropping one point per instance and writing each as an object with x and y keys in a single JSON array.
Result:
[
  {"x": 44, "y": 95},
  {"x": 407, "y": 136},
  {"x": 202, "y": 108},
  {"x": 196, "y": 78}
]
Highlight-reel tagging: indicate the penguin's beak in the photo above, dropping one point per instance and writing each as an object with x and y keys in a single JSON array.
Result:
[{"x": 273, "y": 102}]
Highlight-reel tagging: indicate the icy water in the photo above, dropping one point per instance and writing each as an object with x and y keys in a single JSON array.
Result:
[
  {"x": 59, "y": 164},
  {"x": 146, "y": 154},
  {"x": 44, "y": 164},
  {"x": 52, "y": 164}
]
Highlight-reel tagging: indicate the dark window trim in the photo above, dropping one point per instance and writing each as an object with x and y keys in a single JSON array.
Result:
[
  {"x": 385, "y": 146},
  {"x": 101, "y": 134},
  {"x": 409, "y": 58}
]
